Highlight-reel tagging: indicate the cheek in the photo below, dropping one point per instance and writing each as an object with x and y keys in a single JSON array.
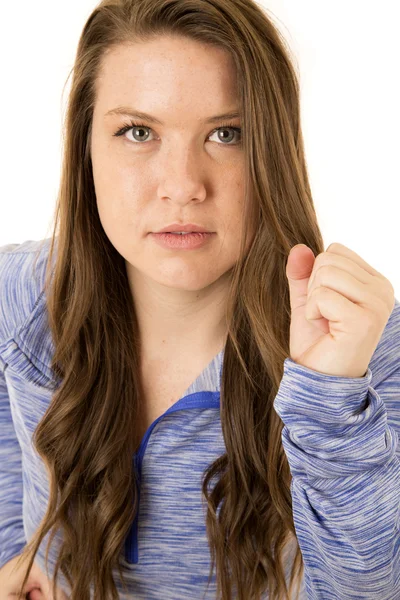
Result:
[
  {"x": 117, "y": 192},
  {"x": 116, "y": 198},
  {"x": 119, "y": 218}
]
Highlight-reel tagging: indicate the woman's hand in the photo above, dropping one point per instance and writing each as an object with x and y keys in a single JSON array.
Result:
[
  {"x": 340, "y": 307},
  {"x": 37, "y": 587}
]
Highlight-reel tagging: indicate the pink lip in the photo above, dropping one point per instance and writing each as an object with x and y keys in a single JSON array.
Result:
[
  {"x": 189, "y": 227},
  {"x": 190, "y": 241}
]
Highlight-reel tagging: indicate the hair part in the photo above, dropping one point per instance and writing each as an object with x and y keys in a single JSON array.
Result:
[{"x": 85, "y": 437}]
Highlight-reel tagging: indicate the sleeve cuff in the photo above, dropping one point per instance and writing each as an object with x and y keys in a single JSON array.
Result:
[{"x": 334, "y": 426}]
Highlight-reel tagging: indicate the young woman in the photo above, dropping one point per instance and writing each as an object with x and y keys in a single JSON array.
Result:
[{"x": 193, "y": 404}]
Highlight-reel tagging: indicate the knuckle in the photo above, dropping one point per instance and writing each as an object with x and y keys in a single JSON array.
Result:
[{"x": 334, "y": 246}]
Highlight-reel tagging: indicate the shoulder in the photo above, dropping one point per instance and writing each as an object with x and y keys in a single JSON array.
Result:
[{"x": 22, "y": 277}]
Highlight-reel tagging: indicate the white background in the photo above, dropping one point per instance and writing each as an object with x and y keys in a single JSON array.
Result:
[{"x": 348, "y": 55}]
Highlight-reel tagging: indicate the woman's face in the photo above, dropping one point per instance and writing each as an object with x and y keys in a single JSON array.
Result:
[{"x": 179, "y": 171}]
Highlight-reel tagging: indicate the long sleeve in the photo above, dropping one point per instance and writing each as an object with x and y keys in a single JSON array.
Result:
[
  {"x": 12, "y": 536},
  {"x": 340, "y": 437}
]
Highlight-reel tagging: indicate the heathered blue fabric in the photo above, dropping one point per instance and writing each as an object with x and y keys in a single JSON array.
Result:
[{"x": 340, "y": 437}]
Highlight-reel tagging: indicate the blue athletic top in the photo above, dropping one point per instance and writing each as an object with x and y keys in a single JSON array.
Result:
[{"x": 340, "y": 438}]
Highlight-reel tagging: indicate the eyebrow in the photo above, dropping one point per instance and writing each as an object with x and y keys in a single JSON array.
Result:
[{"x": 136, "y": 114}]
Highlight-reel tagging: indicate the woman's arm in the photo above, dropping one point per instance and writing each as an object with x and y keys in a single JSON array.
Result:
[{"x": 341, "y": 439}]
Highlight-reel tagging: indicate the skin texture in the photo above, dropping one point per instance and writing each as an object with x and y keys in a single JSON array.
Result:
[{"x": 178, "y": 172}]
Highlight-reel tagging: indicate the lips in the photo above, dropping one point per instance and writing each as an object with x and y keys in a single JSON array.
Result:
[{"x": 180, "y": 227}]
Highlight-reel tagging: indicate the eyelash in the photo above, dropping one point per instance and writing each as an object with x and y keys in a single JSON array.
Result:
[{"x": 132, "y": 125}]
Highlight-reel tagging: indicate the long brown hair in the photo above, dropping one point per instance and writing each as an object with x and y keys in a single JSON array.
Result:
[{"x": 85, "y": 437}]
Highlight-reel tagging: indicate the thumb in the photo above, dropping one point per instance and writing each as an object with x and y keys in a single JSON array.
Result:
[{"x": 299, "y": 267}]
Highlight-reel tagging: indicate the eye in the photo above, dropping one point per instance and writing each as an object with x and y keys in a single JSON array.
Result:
[{"x": 143, "y": 129}]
